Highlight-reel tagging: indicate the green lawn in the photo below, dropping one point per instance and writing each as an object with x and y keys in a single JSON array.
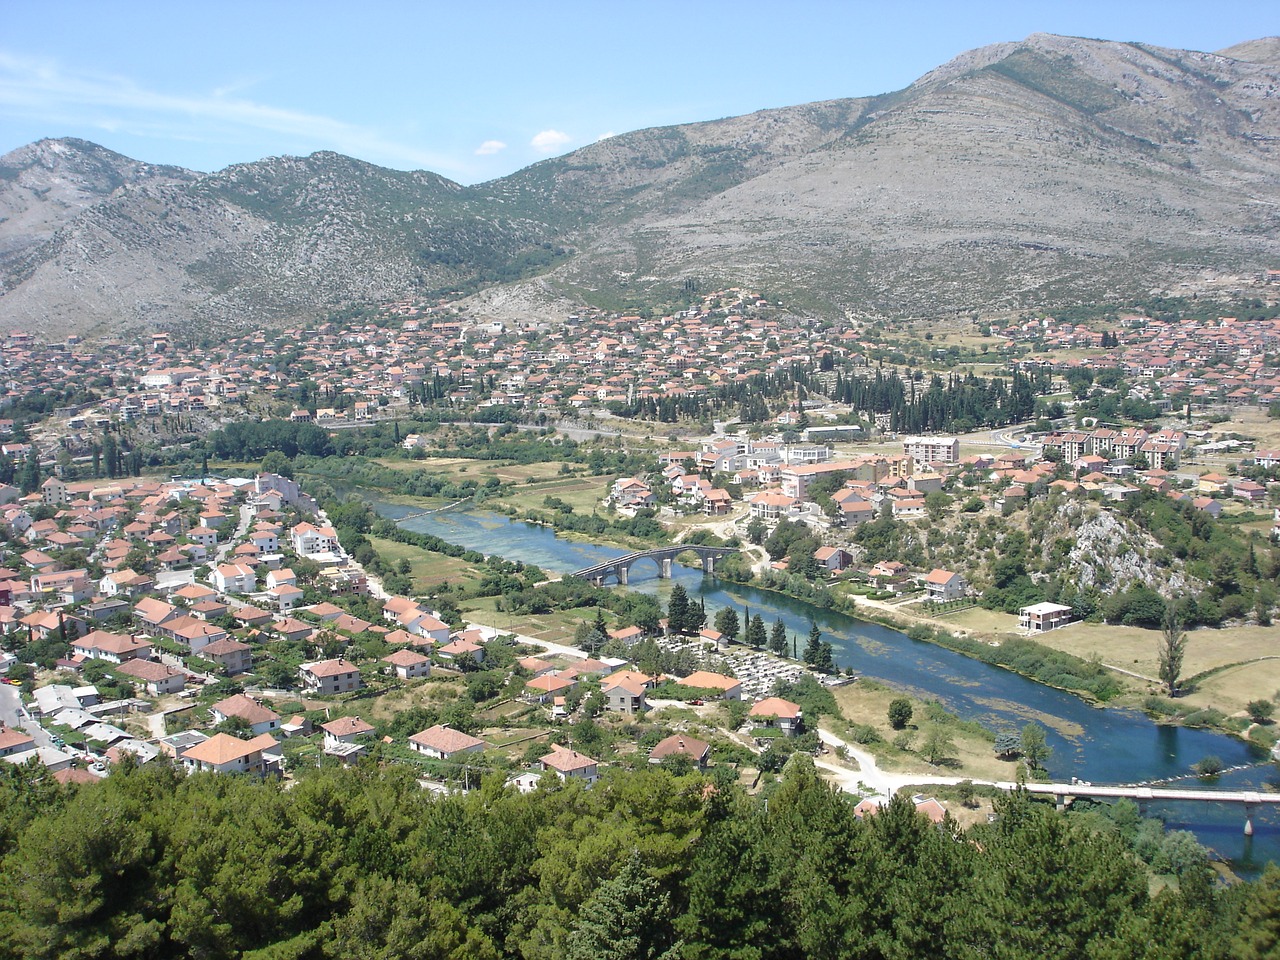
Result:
[{"x": 426, "y": 569}]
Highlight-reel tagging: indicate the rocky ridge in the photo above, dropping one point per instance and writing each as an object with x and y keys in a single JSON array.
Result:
[{"x": 1051, "y": 171}]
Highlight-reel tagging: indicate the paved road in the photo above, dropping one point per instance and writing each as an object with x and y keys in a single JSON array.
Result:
[
  {"x": 14, "y": 715},
  {"x": 242, "y": 527},
  {"x": 10, "y": 701}
]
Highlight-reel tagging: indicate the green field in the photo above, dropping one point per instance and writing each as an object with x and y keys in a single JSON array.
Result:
[
  {"x": 427, "y": 569},
  {"x": 1250, "y": 656},
  {"x": 582, "y": 493},
  {"x": 868, "y": 703}
]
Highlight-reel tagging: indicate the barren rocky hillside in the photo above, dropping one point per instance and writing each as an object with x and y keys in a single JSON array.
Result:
[{"x": 1049, "y": 171}]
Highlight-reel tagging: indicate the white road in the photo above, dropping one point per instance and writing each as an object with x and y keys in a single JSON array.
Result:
[{"x": 870, "y": 778}]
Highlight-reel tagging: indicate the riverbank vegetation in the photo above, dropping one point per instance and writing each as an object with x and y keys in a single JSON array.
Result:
[
  {"x": 863, "y": 717},
  {"x": 363, "y": 862}
]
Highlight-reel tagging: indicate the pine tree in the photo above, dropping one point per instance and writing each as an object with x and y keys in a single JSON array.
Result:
[
  {"x": 756, "y": 634},
  {"x": 696, "y": 617},
  {"x": 727, "y": 624},
  {"x": 813, "y": 650},
  {"x": 111, "y": 455},
  {"x": 826, "y": 660},
  {"x": 628, "y": 918},
  {"x": 778, "y": 638},
  {"x": 30, "y": 479},
  {"x": 678, "y": 610}
]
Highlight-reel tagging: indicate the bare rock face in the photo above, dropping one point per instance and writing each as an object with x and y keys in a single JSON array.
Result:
[
  {"x": 1041, "y": 173},
  {"x": 47, "y": 184},
  {"x": 1112, "y": 555}
]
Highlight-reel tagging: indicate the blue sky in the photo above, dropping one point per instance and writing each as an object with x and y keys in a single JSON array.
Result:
[{"x": 476, "y": 90}]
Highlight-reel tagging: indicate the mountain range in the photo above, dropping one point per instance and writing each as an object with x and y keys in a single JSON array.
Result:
[{"x": 1035, "y": 174}]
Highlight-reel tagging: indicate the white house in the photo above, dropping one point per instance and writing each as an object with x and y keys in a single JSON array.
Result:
[
  {"x": 342, "y": 737},
  {"x": 330, "y": 676},
  {"x": 234, "y": 578},
  {"x": 408, "y": 665},
  {"x": 444, "y": 742},
  {"x": 944, "y": 585},
  {"x": 309, "y": 540},
  {"x": 259, "y": 718},
  {"x": 569, "y": 764},
  {"x": 1042, "y": 617},
  {"x": 223, "y": 753}
]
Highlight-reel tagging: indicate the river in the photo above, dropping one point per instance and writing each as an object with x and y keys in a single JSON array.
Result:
[{"x": 1099, "y": 745}]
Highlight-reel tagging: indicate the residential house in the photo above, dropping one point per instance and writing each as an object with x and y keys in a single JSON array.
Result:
[
  {"x": 774, "y": 711},
  {"x": 232, "y": 655},
  {"x": 1208, "y": 505},
  {"x": 728, "y": 687},
  {"x": 625, "y": 691},
  {"x": 1212, "y": 483},
  {"x": 124, "y": 583},
  {"x": 342, "y": 737},
  {"x": 832, "y": 559},
  {"x": 548, "y": 686},
  {"x": 681, "y": 745},
  {"x": 54, "y": 493},
  {"x": 158, "y": 679},
  {"x": 260, "y": 719},
  {"x": 1042, "y": 617},
  {"x": 460, "y": 647},
  {"x": 330, "y": 676},
  {"x": 445, "y": 743},
  {"x": 207, "y": 537},
  {"x": 177, "y": 744},
  {"x": 14, "y": 741},
  {"x": 223, "y": 753},
  {"x": 286, "y": 596},
  {"x": 195, "y": 634},
  {"x": 932, "y": 449},
  {"x": 308, "y": 540},
  {"x": 234, "y": 578},
  {"x": 944, "y": 585},
  {"x": 569, "y": 764},
  {"x": 112, "y": 647},
  {"x": 408, "y": 665}
]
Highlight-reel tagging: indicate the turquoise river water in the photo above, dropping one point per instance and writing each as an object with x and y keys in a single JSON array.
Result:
[{"x": 1100, "y": 745}]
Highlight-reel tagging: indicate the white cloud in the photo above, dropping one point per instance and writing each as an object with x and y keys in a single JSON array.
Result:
[
  {"x": 549, "y": 141},
  {"x": 42, "y": 90},
  {"x": 605, "y": 136},
  {"x": 490, "y": 147}
]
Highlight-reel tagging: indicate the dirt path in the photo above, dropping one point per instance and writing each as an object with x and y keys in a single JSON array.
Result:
[{"x": 869, "y": 776}]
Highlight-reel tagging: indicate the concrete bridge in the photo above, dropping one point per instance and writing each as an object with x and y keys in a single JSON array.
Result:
[
  {"x": 662, "y": 556},
  {"x": 1064, "y": 793}
]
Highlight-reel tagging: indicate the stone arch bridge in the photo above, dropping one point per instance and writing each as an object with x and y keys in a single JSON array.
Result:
[{"x": 662, "y": 556}]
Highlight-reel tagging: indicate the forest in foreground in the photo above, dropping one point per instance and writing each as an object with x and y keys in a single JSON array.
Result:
[{"x": 363, "y": 863}]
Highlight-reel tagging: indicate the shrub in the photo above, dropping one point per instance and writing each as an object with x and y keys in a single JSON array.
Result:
[
  {"x": 864, "y": 733},
  {"x": 1209, "y": 766}
]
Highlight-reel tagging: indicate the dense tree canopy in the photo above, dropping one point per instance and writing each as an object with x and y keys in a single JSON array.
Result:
[{"x": 363, "y": 863}]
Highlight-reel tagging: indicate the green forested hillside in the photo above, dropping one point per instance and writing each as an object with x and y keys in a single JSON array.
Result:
[{"x": 363, "y": 863}]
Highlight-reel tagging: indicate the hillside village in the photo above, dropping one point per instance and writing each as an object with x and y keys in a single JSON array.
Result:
[
  {"x": 411, "y": 355},
  {"x": 127, "y": 663},
  {"x": 148, "y": 608}
]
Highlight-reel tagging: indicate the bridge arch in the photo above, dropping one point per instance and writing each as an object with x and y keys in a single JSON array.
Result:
[{"x": 619, "y": 569}]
